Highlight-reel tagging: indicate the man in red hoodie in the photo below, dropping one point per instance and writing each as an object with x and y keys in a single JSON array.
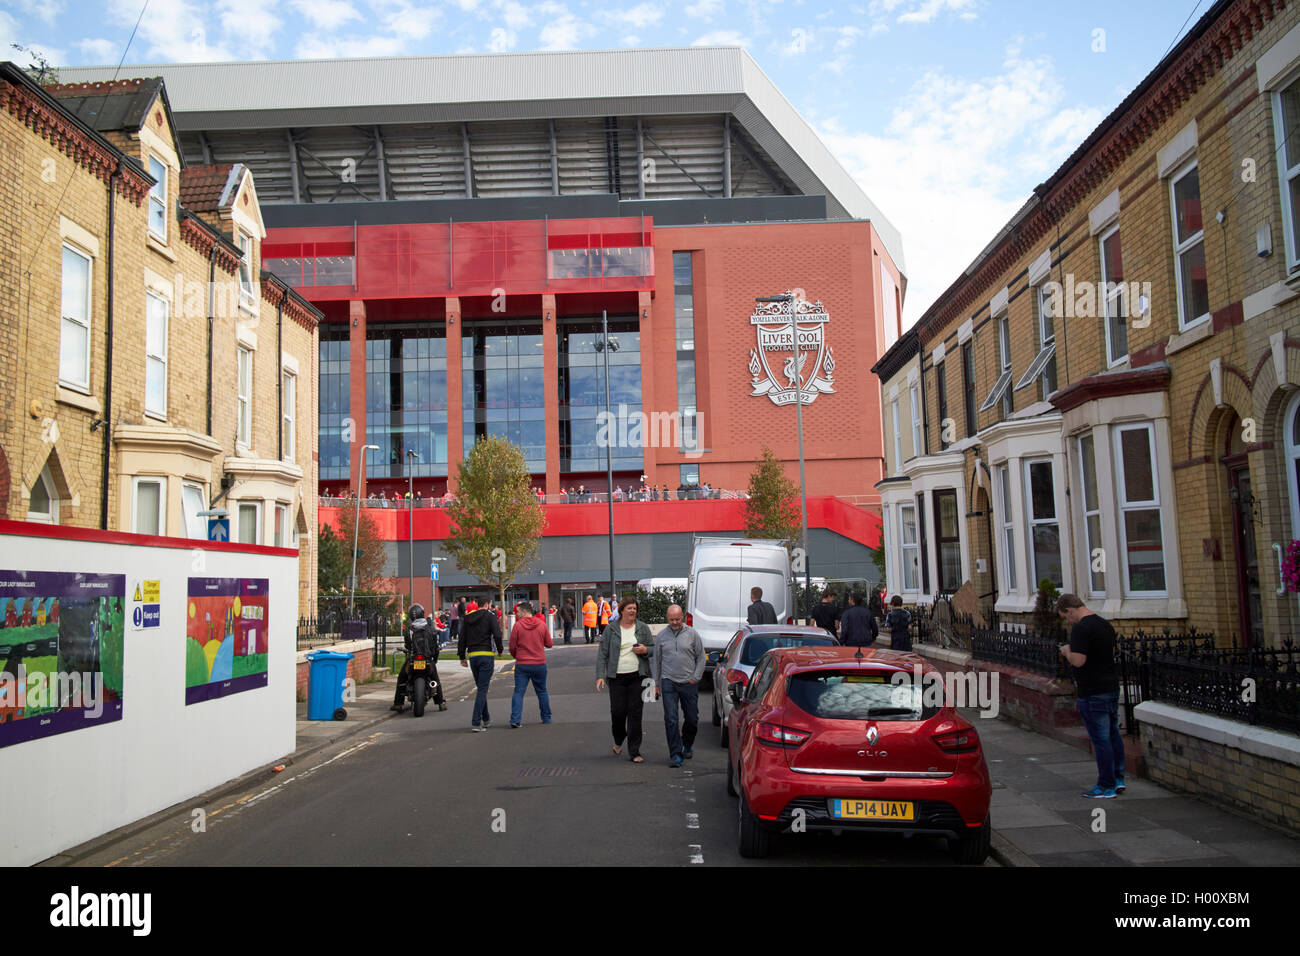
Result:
[{"x": 529, "y": 639}]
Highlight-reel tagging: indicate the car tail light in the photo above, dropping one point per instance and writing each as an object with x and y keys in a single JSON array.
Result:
[
  {"x": 959, "y": 741},
  {"x": 737, "y": 677},
  {"x": 789, "y": 621},
  {"x": 780, "y": 736}
]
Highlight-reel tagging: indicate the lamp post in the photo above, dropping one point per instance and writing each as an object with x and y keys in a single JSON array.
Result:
[
  {"x": 786, "y": 299},
  {"x": 411, "y": 458},
  {"x": 606, "y": 345},
  {"x": 356, "y": 526}
]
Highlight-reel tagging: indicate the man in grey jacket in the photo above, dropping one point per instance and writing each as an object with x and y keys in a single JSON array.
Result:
[{"x": 677, "y": 666}]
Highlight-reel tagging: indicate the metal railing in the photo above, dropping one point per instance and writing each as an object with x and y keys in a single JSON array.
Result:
[{"x": 564, "y": 498}]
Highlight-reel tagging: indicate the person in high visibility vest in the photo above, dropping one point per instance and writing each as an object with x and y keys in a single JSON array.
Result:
[
  {"x": 589, "y": 612},
  {"x": 604, "y": 612}
]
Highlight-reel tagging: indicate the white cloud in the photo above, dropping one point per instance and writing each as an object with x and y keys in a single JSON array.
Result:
[
  {"x": 704, "y": 9},
  {"x": 326, "y": 14},
  {"x": 98, "y": 52},
  {"x": 631, "y": 41},
  {"x": 564, "y": 31},
  {"x": 173, "y": 31},
  {"x": 502, "y": 40},
  {"x": 640, "y": 16},
  {"x": 950, "y": 167},
  {"x": 847, "y": 37},
  {"x": 317, "y": 47},
  {"x": 922, "y": 11},
  {"x": 249, "y": 25},
  {"x": 47, "y": 10},
  {"x": 515, "y": 14},
  {"x": 722, "y": 38}
]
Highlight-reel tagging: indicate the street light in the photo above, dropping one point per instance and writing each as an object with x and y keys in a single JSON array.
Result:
[
  {"x": 411, "y": 458},
  {"x": 604, "y": 346},
  {"x": 356, "y": 525},
  {"x": 786, "y": 299}
]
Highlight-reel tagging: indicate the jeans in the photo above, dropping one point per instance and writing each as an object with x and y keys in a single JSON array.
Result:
[
  {"x": 1100, "y": 714},
  {"x": 524, "y": 674},
  {"x": 482, "y": 668},
  {"x": 568, "y": 631},
  {"x": 689, "y": 697},
  {"x": 625, "y": 711}
]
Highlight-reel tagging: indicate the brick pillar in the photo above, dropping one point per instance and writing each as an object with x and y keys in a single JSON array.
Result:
[
  {"x": 551, "y": 377},
  {"x": 652, "y": 390},
  {"x": 455, "y": 413},
  {"x": 357, "y": 392}
]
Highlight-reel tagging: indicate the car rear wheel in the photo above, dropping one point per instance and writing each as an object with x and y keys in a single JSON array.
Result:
[
  {"x": 754, "y": 841},
  {"x": 973, "y": 848},
  {"x": 724, "y": 738},
  {"x": 717, "y": 717},
  {"x": 731, "y": 779}
]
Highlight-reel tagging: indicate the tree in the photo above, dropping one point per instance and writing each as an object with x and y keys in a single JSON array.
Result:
[
  {"x": 380, "y": 594},
  {"x": 496, "y": 519},
  {"x": 772, "y": 510},
  {"x": 333, "y": 564},
  {"x": 39, "y": 69}
]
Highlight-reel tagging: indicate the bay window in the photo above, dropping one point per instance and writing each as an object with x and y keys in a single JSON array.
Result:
[
  {"x": 1139, "y": 503},
  {"x": 910, "y": 546},
  {"x": 1008, "y": 530},
  {"x": 1091, "y": 513},
  {"x": 1044, "y": 527},
  {"x": 948, "y": 537}
]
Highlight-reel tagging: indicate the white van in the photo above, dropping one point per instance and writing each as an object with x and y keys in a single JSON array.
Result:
[{"x": 723, "y": 570}]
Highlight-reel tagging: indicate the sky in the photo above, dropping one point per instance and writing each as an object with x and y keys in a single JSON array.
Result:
[{"x": 946, "y": 112}]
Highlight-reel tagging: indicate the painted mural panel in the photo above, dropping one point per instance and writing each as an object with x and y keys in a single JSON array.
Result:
[
  {"x": 61, "y": 647},
  {"x": 226, "y": 641}
]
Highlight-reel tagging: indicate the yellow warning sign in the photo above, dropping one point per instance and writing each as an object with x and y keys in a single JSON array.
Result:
[
  {"x": 137, "y": 593},
  {"x": 152, "y": 590}
]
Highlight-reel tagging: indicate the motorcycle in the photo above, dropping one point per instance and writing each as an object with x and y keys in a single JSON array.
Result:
[{"x": 421, "y": 662}]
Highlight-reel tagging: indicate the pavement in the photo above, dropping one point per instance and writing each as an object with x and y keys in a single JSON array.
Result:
[{"x": 1039, "y": 815}]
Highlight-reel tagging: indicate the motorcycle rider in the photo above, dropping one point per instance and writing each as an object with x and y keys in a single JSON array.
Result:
[{"x": 419, "y": 624}]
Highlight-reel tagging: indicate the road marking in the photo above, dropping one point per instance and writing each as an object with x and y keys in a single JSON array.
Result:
[
  {"x": 692, "y": 821},
  {"x": 697, "y": 853}
]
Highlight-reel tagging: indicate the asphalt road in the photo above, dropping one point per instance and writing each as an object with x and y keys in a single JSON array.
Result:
[{"x": 427, "y": 791}]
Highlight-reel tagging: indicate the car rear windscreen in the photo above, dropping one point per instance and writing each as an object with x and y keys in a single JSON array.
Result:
[
  {"x": 756, "y": 646},
  {"x": 858, "y": 695}
]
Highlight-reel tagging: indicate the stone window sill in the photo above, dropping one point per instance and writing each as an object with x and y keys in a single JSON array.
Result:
[
  {"x": 159, "y": 247},
  {"x": 87, "y": 403}
]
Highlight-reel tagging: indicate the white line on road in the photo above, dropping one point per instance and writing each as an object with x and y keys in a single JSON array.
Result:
[
  {"x": 697, "y": 853},
  {"x": 692, "y": 821}
]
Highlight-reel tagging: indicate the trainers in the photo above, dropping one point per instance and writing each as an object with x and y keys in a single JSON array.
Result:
[
  {"x": 675, "y": 761},
  {"x": 1098, "y": 793},
  {"x": 442, "y": 706},
  {"x": 487, "y": 724},
  {"x": 1119, "y": 784},
  {"x": 514, "y": 726},
  {"x": 477, "y": 730},
  {"x": 688, "y": 753}
]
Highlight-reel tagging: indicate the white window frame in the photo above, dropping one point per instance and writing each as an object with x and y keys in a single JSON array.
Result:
[
  {"x": 46, "y": 480},
  {"x": 83, "y": 384},
  {"x": 898, "y": 440},
  {"x": 158, "y": 197},
  {"x": 244, "y": 397},
  {"x": 914, "y": 547},
  {"x": 193, "y": 522},
  {"x": 283, "y": 528},
  {"x": 1113, "y": 304},
  {"x": 1007, "y": 522},
  {"x": 1186, "y": 246},
  {"x": 289, "y": 391},
  {"x": 154, "y": 360},
  {"x": 1089, "y": 545},
  {"x": 1292, "y": 455},
  {"x": 1004, "y": 355},
  {"x": 161, "y": 482},
  {"x": 1123, "y": 505},
  {"x": 245, "y": 242},
  {"x": 256, "y": 505},
  {"x": 1032, "y": 522},
  {"x": 1285, "y": 175},
  {"x": 915, "y": 397}
]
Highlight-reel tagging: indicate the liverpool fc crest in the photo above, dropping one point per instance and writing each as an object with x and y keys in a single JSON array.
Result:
[{"x": 792, "y": 352}]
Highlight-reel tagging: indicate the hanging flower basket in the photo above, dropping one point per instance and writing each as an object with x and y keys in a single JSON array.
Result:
[{"x": 1291, "y": 567}]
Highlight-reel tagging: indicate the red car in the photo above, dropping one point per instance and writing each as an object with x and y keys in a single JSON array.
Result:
[{"x": 829, "y": 738}]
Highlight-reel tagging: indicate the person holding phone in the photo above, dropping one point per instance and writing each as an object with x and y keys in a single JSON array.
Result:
[{"x": 623, "y": 660}]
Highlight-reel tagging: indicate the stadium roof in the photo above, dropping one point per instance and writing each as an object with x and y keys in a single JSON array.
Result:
[{"x": 285, "y": 94}]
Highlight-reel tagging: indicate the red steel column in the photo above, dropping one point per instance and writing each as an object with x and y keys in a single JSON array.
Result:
[
  {"x": 551, "y": 378},
  {"x": 455, "y": 414},
  {"x": 651, "y": 390},
  {"x": 357, "y": 392}
]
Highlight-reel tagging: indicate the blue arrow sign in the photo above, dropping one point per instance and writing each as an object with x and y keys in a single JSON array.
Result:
[
  {"x": 218, "y": 529},
  {"x": 433, "y": 570}
]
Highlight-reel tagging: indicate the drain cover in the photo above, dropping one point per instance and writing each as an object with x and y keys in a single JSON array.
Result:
[{"x": 548, "y": 771}]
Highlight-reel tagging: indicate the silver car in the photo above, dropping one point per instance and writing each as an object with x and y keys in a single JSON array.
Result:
[{"x": 742, "y": 655}]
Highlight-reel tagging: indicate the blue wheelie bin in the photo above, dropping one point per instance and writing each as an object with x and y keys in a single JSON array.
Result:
[{"x": 325, "y": 682}]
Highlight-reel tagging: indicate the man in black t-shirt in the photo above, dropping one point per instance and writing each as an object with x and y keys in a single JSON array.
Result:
[
  {"x": 1091, "y": 652},
  {"x": 827, "y": 614}
]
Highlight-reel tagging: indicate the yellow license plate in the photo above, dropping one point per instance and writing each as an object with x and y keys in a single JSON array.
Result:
[
  {"x": 872, "y": 810},
  {"x": 417, "y": 665}
]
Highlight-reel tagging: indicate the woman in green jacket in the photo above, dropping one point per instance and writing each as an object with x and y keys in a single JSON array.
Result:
[{"x": 623, "y": 659}]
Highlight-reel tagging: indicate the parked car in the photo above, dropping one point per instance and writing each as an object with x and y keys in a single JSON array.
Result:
[
  {"x": 723, "y": 570},
  {"x": 826, "y": 736},
  {"x": 740, "y": 658}
]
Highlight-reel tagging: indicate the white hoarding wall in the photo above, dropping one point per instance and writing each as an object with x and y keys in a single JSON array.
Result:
[{"x": 133, "y": 678}]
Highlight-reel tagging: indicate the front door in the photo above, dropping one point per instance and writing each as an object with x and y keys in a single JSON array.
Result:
[{"x": 1250, "y": 610}]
